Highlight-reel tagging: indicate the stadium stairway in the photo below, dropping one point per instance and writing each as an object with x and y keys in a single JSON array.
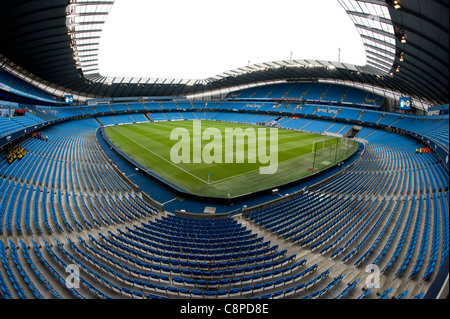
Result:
[{"x": 337, "y": 268}]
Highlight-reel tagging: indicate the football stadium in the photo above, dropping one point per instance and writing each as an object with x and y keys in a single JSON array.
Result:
[{"x": 294, "y": 178}]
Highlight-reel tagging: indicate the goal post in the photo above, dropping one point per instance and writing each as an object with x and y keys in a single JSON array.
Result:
[
  {"x": 316, "y": 147},
  {"x": 317, "y": 144}
]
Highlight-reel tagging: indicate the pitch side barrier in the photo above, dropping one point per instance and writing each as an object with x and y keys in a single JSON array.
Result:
[{"x": 440, "y": 286}]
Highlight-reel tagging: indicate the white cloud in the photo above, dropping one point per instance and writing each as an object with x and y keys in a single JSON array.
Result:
[{"x": 201, "y": 38}]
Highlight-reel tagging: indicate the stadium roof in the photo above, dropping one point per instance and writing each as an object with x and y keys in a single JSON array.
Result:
[{"x": 54, "y": 45}]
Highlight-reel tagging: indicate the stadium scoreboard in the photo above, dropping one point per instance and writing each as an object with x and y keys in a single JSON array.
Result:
[
  {"x": 68, "y": 99},
  {"x": 405, "y": 103}
]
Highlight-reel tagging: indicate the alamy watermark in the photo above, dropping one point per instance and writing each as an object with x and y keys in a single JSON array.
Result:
[
  {"x": 373, "y": 278},
  {"x": 73, "y": 280},
  {"x": 226, "y": 149},
  {"x": 374, "y": 18}
]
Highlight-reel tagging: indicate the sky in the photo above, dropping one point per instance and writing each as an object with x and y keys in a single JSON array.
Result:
[{"x": 197, "y": 39}]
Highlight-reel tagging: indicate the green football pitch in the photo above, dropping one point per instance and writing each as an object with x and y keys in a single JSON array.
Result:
[{"x": 299, "y": 155}]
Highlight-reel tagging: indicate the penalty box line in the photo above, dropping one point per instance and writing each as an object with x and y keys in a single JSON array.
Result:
[{"x": 163, "y": 158}]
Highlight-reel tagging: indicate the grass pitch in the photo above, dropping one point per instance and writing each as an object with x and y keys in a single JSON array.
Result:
[{"x": 149, "y": 144}]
